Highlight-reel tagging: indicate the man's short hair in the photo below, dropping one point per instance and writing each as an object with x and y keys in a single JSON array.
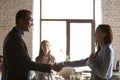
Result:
[{"x": 22, "y": 14}]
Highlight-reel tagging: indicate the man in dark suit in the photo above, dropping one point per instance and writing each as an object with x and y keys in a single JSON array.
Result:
[{"x": 16, "y": 61}]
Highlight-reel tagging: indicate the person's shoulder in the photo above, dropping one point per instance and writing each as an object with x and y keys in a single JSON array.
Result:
[
  {"x": 109, "y": 48},
  {"x": 11, "y": 31},
  {"x": 14, "y": 32}
]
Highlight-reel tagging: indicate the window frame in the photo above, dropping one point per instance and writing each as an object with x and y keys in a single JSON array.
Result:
[{"x": 68, "y": 21}]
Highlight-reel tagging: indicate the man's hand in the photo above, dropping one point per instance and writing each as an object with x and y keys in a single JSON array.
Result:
[{"x": 57, "y": 67}]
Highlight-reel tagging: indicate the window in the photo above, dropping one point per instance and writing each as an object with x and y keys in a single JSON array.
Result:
[
  {"x": 67, "y": 9},
  {"x": 80, "y": 40},
  {"x": 54, "y": 32},
  {"x": 63, "y": 23}
]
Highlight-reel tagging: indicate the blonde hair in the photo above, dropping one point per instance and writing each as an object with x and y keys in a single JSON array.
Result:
[{"x": 41, "y": 53}]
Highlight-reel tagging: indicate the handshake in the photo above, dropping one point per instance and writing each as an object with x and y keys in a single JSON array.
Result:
[{"x": 57, "y": 67}]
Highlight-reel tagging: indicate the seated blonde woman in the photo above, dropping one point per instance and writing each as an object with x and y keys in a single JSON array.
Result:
[{"x": 46, "y": 58}]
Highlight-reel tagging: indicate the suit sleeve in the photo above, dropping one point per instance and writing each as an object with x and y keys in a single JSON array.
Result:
[{"x": 19, "y": 56}]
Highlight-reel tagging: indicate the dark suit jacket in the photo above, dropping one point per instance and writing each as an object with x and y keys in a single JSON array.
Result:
[{"x": 16, "y": 62}]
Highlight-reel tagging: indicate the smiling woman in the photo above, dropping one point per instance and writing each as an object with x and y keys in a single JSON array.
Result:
[{"x": 45, "y": 57}]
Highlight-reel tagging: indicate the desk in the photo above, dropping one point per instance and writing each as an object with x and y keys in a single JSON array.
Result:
[
  {"x": 80, "y": 76},
  {"x": 85, "y": 76},
  {"x": 116, "y": 76}
]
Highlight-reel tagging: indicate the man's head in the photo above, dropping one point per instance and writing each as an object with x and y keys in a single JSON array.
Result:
[{"x": 24, "y": 19}]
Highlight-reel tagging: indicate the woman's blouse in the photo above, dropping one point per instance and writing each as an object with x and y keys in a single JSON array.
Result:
[
  {"x": 43, "y": 75},
  {"x": 102, "y": 64}
]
